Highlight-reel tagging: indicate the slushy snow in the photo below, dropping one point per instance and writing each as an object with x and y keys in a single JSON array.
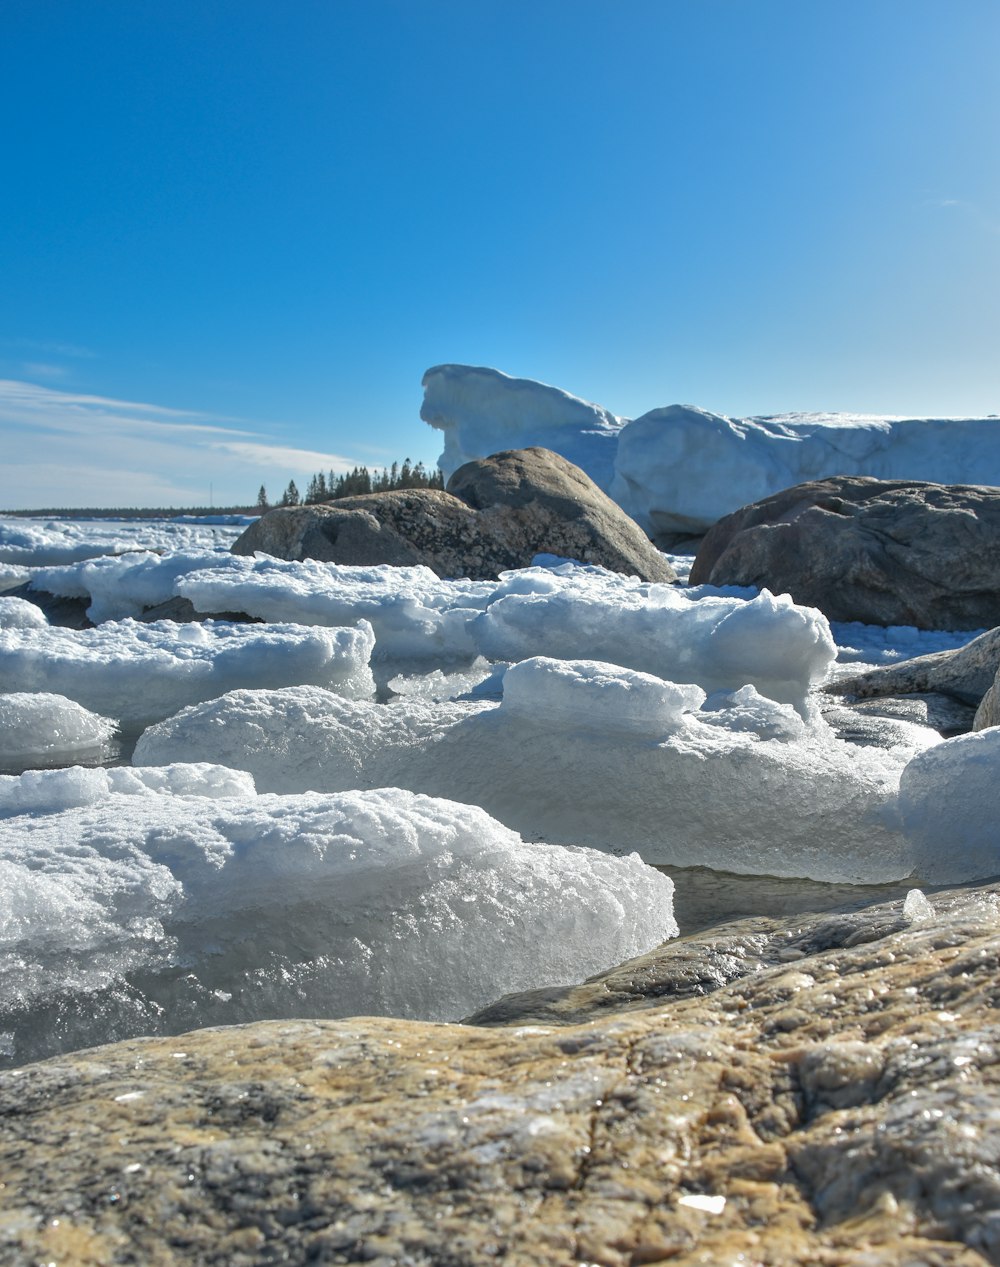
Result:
[
  {"x": 140, "y": 673},
  {"x": 155, "y": 913},
  {"x": 678, "y": 469}
]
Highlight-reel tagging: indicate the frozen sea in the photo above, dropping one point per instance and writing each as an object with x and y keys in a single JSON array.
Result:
[{"x": 382, "y": 792}]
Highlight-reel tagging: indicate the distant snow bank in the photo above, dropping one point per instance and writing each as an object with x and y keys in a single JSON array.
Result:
[{"x": 679, "y": 469}]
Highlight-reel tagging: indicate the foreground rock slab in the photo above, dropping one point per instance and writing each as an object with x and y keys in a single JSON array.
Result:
[
  {"x": 886, "y": 552},
  {"x": 824, "y": 1090}
]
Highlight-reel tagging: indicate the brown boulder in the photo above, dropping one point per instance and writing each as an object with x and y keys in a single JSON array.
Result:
[
  {"x": 498, "y": 513},
  {"x": 886, "y": 552}
]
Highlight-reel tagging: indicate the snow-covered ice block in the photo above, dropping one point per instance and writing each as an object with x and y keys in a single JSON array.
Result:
[
  {"x": 414, "y": 613},
  {"x": 579, "y": 753},
  {"x": 46, "y": 542},
  {"x": 720, "y": 643},
  {"x": 949, "y": 800},
  {"x": 122, "y": 585},
  {"x": 51, "y": 791},
  {"x": 680, "y": 469},
  {"x": 46, "y": 729},
  {"x": 141, "y": 673},
  {"x": 482, "y": 411},
  {"x": 159, "y": 914},
  {"x": 18, "y": 613}
]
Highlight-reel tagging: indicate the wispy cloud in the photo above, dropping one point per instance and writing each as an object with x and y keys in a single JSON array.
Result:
[
  {"x": 64, "y": 448},
  {"x": 974, "y": 210}
]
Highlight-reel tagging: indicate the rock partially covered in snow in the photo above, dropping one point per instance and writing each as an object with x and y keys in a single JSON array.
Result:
[
  {"x": 120, "y": 586},
  {"x": 586, "y": 753},
  {"x": 46, "y": 729},
  {"x": 162, "y": 913},
  {"x": 886, "y": 552},
  {"x": 142, "y": 673},
  {"x": 482, "y": 411}
]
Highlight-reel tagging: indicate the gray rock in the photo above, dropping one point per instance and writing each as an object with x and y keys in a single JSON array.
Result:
[
  {"x": 988, "y": 712},
  {"x": 964, "y": 674},
  {"x": 812, "y": 1091},
  {"x": 886, "y": 552},
  {"x": 498, "y": 514}
]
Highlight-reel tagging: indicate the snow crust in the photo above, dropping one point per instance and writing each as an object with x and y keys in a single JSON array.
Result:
[
  {"x": 52, "y": 791},
  {"x": 152, "y": 913},
  {"x": 482, "y": 411},
  {"x": 18, "y": 613},
  {"x": 679, "y": 468},
  {"x": 44, "y": 542},
  {"x": 586, "y": 753},
  {"x": 47, "y": 729},
  {"x": 141, "y": 673}
]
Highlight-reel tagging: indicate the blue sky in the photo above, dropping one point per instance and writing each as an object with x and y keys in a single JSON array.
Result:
[{"x": 234, "y": 234}]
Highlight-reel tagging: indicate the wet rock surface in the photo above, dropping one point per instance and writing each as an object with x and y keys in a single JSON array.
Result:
[{"x": 806, "y": 1090}]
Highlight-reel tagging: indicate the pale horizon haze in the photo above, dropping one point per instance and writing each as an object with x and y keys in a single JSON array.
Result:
[{"x": 235, "y": 234}]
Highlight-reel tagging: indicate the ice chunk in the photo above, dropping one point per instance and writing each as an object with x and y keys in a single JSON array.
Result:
[
  {"x": 747, "y": 709},
  {"x": 719, "y": 643},
  {"x": 124, "y": 585},
  {"x": 587, "y": 695},
  {"x": 51, "y": 791},
  {"x": 482, "y": 411},
  {"x": 159, "y": 914},
  {"x": 414, "y": 613},
  {"x": 582, "y": 754},
  {"x": 949, "y": 800},
  {"x": 46, "y": 729},
  {"x": 46, "y": 542},
  {"x": 17, "y": 613},
  {"x": 143, "y": 672}
]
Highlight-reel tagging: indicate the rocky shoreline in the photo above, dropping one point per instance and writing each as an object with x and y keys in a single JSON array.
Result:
[{"x": 816, "y": 1089}]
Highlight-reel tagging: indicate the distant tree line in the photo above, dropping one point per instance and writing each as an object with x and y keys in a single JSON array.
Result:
[{"x": 326, "y": 487}]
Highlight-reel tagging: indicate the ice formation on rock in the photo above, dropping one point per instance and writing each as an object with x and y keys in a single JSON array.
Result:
[
  {"x": 141, "y": 673},
  {"x": 482, "y": 411},
  {"x": 46, "y": 729},
  {"x": 161, "y": 913},
  {"x": 120, "y": 586},
  {"x": 678, "y": 469},
  {"x": 586, "y": 753}
]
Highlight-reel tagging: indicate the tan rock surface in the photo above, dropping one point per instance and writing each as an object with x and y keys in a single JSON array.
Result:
[{"x": 835, "y": 1100}]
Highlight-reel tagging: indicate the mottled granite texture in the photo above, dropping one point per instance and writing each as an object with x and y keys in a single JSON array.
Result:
[{"x": 815, "y": 1090}]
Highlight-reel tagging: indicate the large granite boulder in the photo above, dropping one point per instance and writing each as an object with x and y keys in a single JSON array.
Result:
[
  {"x": 498, "y": 513},
  {"x": 886, "y": 552},
  {"x": 819, "y": 1090}
]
